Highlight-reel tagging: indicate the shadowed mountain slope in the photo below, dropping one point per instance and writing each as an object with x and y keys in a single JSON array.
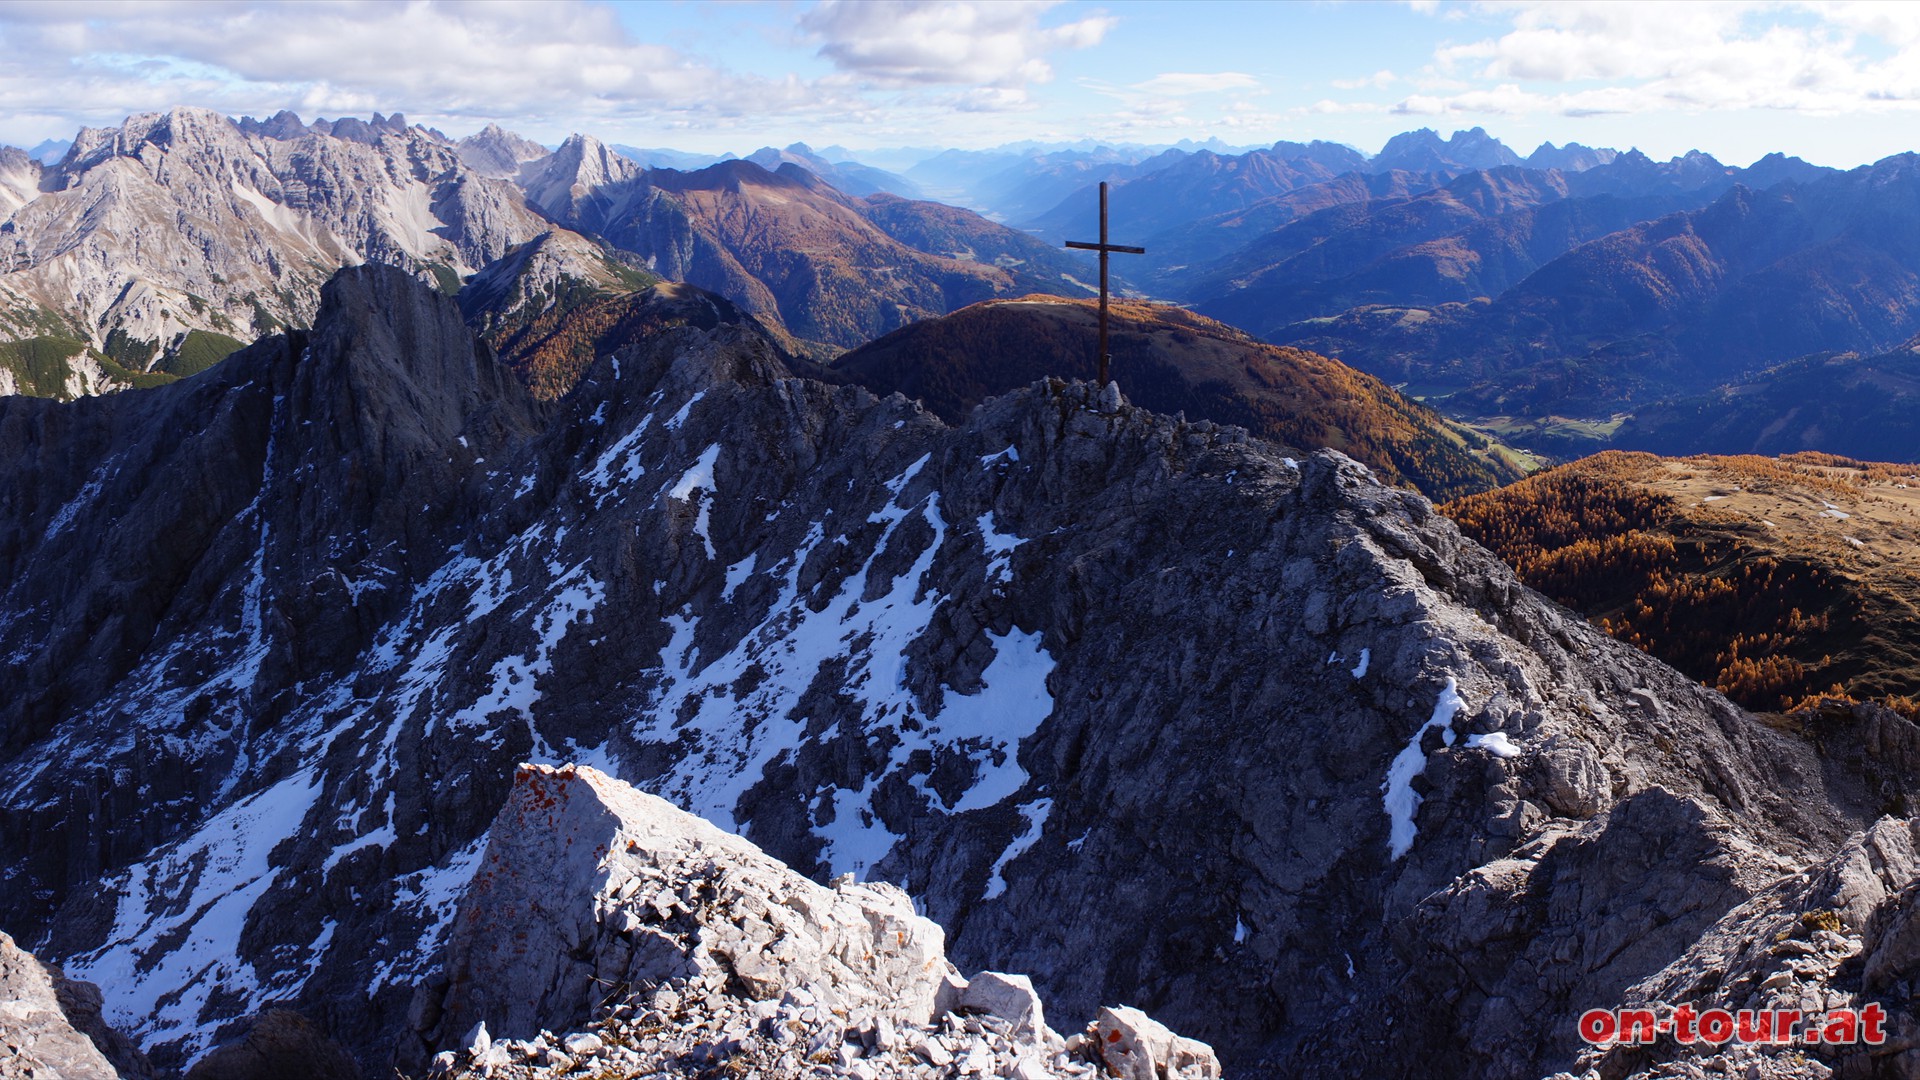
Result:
[
  {"x": 1860, "y": 407},
  {"x": 1671, "y": 306},
  {"x": 280, "y": 634}
]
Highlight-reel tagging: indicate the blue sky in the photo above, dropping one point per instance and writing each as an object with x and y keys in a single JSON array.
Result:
[{"x": 1837, "y": 83}]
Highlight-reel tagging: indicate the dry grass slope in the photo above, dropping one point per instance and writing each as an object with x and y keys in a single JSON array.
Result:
[{"x": 1172, "y": 361}]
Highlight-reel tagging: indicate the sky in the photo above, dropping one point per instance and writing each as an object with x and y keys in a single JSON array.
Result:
[{"x": 1835, "y": 83}]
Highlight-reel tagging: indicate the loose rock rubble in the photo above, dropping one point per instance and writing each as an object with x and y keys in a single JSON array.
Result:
[
  {"x": 1839, "y": 935},
  {"x": 671, "y": 948}
]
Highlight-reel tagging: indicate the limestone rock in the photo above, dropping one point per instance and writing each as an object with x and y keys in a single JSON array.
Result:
[
  {"x": 1009, "y": 997},
  {"x": 1135, "y": 1046},
  {"x": 50, "y": 1027},
  {"x": 592, "y": 891},
  {"x": 684, "y": 946}
]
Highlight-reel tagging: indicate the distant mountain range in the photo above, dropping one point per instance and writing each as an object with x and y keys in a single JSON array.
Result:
[
  {"x": 1672, "y": 306},
  {"x": 150, "y": 251},
  {"x": 1583, "y": 295},
  {"x": 1476, "y": 235},
  {"x": 824, "y": 269},
  {"x": 846, "y": 176}
]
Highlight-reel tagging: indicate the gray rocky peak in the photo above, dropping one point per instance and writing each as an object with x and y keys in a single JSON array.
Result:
[
  {"x": 531, "y": 278},
  {"x": 497, "y": 152},
  {"x": 93, "y": 249},
  {"x": 566, "y": 183},
  {"x": 285, "y": 124}
]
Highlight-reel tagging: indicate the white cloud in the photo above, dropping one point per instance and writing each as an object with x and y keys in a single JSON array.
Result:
[
  {"x": 1184, "y": 84},
  {"x": 1691, "y": 57},
  {"x": 1377, "y": 80},
  {"x": 989, "y": 99},
  {"x": 554, "y": 61},
  {"x": 1001, "y": 44}
]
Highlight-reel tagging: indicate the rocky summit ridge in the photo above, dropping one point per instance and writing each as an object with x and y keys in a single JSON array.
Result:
[{"x": 1152, "y": 711}]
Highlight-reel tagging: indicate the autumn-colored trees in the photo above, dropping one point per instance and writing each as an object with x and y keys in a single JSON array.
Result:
[{"x": 1596, "y": 537}]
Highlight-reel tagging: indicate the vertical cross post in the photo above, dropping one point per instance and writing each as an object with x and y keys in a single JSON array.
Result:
[{"x": 1104, "y": 249}]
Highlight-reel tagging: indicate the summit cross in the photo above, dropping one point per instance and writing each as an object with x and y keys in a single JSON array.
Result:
[{"x": 1104, "y": 249}]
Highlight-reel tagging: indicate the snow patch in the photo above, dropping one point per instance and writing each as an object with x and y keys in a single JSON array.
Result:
[
  {"x": 1036, "y": 814},
  {"x": 737, "y": 574},
  {"x": 430, "y": 895},
  {"x": 999, "y": 547},
  {"x": 735, "y": 708},
  {"x": 73, "y": 507},
  {"x": 1495, "y": 743},
  {"x": 1360, "y": 669},
  {"x": 698, "y": 479},
  {"x": 1398, "y": 796},
  {"x": 621, "y": 462},
  {"x": 680, "y": 417},
  {"x": 575, "y": 595},
  {"x": 179, "y": 918}
]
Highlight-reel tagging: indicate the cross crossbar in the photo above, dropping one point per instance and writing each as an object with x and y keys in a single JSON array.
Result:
[{"x": 1104, "y": 249}]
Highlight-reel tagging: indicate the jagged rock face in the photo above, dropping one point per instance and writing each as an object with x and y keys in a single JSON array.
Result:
[
  {"x": 181, "y": 220},
  {"x": 494, "y": 151},
  {"x": 50, "y": 1026},
  {"x": 19, "y": 179},
  {"x": 1148, "y": 709},
  {"x": 1841, "y": 934}
]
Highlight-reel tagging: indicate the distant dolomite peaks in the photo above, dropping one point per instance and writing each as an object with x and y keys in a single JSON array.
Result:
[{"x": 100, "y": 244}]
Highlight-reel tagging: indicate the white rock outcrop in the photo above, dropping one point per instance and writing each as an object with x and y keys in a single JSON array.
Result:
[
  {"x": 45, "y": 1021},
  {"x": 658, "y": 942}
]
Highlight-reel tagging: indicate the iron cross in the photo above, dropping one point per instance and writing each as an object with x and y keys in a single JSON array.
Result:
[{"x": 1104, "y": 249}]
